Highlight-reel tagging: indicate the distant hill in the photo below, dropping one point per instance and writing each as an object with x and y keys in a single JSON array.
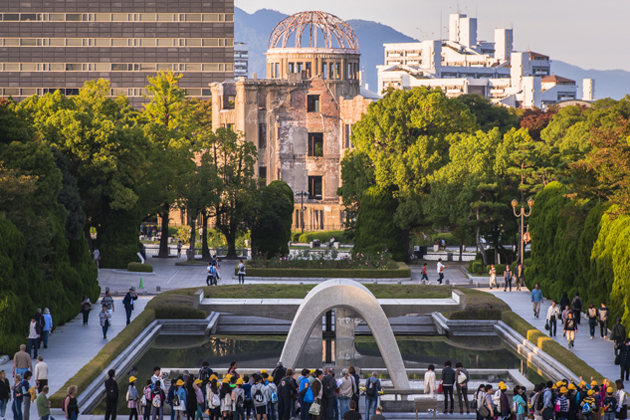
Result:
[{"x": 254, "y": 29}]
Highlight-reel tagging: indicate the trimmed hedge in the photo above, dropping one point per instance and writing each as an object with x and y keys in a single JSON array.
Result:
[
  {"x": 138, "y": 267},
  {"x": 173, "y": 305},
  {"x": 545, "y": 343},
  {"x": 323, "y": 236},
  {"x": 476, "y": 267},
  {"x": 403, "y": 271}
]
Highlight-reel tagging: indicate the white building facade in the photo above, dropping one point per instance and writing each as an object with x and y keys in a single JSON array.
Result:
[
  {"x": 465, "y": 65},
  {"x": 241, "y": 60}
]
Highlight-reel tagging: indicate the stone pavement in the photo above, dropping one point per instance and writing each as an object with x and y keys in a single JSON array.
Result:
[
  {"x": 598, "y": 353},
  {"x": 73, "y": 345}
]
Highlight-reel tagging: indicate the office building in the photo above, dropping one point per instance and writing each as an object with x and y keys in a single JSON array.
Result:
[
  {"x": 241, "y": 60},
  {"x": 58, "y": 45}
]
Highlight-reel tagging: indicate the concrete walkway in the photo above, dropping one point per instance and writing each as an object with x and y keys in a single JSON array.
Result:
[
  {"x": 73, "y": 345},
  {"x": 598, "y": 353}
]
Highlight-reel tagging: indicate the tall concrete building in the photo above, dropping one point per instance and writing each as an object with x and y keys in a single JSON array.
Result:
[
  {"x": 301, "y": 116},
  {"x": 58, "y": 45},
  {"x": 241, "y": 60}
]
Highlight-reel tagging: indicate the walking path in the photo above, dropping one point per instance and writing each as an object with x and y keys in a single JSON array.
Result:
[
  {"x": 598, "y": 353},
  {"x": 73, "y": 345}
]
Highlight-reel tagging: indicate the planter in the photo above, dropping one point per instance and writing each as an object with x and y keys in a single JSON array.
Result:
[{"x": 403, "y": 271}]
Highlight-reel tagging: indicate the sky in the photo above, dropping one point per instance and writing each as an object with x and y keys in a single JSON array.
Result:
[{"x": 590, "y": 34}]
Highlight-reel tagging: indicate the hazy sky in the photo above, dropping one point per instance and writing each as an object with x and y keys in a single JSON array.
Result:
[{"x": 590, "y": 34}]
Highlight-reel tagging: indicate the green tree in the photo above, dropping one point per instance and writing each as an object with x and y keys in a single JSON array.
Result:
[
  {"x": 357, "y": 175},
  {"x": 489, "y": 116},
  {"x": 167, "y": 128},
  {"x": 271, "y": 228}
]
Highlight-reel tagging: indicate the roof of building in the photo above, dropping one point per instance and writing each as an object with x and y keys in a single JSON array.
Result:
[
  {"x": 534, "y": 55},
  {"x": 556, "y": 79},
  {"x": 335, "y": 32}
]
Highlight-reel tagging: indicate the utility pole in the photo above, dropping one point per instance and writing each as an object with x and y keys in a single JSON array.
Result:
[{"x": 522, "y": 214}]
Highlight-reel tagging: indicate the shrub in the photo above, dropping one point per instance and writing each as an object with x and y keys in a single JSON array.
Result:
[
  {"x": 476, "y": 267},
  {"x": 171, "y": 305},
  {"x": 499, "y": 267},
  {"x": 118, "y": 238},
  {"x": 402, "y": 271},
  {"x": 172, "y": 231},
  {"x": 323, "y": 236},
  {"x": 326, "y": 260},
  {"x": 271, "y": 232},
  {"x": 138, "y": 267}
]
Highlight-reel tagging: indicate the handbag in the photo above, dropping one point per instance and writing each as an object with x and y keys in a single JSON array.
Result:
[
  {"x": 483, "y": 411},
  {"x": 315, "y": 409},
  {"x": 617, "y": 360},
  {"x": 440, "y": 388},
  {"x": 473, "y": 404},
  {"x": 547, "y": 325},
  {"x": 308, "y": 396}
]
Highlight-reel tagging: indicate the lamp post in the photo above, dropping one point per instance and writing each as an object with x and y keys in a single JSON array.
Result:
[
  {"x": 522, "y": 214},
  {"x": 301, "y": 194}
]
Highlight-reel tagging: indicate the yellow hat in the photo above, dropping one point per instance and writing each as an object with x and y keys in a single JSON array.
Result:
[
  {"x": 582, "y": 383},
  {"x": 225, "y": 380},
  {"x": 270, "y": 379},
  {"x": 609, "y": 391},
  {"x": 263, "y": 371},
  {"x": 554, "y": 386},
  {"x": 213, "y": 377},
  {"x": 228, "y": 376},
  {"x": 239, "y": 381},
  {"x": 312, "y": 371},
  {"x": 593, "y": 383},
  {"x": 198, "y": 381},
  {"x": 564, "y": 390},
  {"x": 180, "y": 383},
  {"x": 132, "y": 379},
  {"x": 559, "y": 383},
  {"x": 572, "y": 386},
  {"x": 590, "y": 392},
  {"x": 502, "y": 386}
]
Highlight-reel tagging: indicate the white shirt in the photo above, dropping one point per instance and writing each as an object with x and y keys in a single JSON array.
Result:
[
  {"x": 154, "y": 379},
  {"x": 553, "y": 311},
  {"x": 32, "y": 331},
  {"x": 439, "y": 267},
  {"x": 429, "y": 382},
  {"x": 41, "y": 371},
  {"x": 97, "y": 254}
]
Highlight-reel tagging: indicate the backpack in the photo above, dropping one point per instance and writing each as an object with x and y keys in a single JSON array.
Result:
[
  {"x": 258, "y": 396},
  {"x": 212, "y": 270},
  {"x": 370, "y": 390},
  {"x": 248, "y": 395},
  {"x": 329, "y": 390},
  {"x": 215, "y": 400},
  {"x": 540, "y": 402},
  {"x": 586, "y": 408},
  {"x": 176, "y": 402},
  {"x": 274, "y": 397},
  {"x": 64, "y": 403},
  {"x": 157, "y": 401},
  {"x": 239, "y": 401},
  {"x": 204, "y": 374}
]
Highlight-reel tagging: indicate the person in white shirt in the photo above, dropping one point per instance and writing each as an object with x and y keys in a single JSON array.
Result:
[
  {"x": 553, "y": 314},
  {"x": 429, "y": 380},
  {"x": 41, "y": 373},
  {"x": 440, "y": 271},
  {"x": 158, "y": 377}
]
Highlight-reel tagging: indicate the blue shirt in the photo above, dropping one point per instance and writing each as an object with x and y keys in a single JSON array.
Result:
[
  {"x": 303, "y": 383},
  {"x": 47, "y": 322},
  {"x": 537, "y": 296},
  {"x": 547, "y": 398},
  {"x": 520, "y": 404}
]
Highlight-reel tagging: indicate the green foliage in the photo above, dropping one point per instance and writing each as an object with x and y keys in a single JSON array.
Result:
[
  {"x": 489, "y": 116},
  {"x": 139, "y": 267},
  {"x": 476, "y": 267},
  {"x": 327, "y": 259},
  {"x": 499, "y": 267},
  {"x": 118, "y": 239},
  {"x": 271, "y": 230},
  {"x": 323, "y": 236},
  {"x": 376, "y": 231},
  {"x": 377, "y": 273}
]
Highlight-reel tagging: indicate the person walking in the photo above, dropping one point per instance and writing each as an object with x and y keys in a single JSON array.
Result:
[
  {"x": 425, "y": 275},
  {"x": 70, "y": 405},
  {"x": 211, "y": 279},
  {"x": 5, "y": 393},
  {"x": 602, "y": 318},
  {"x": 570, "y": 328},
  {"x": 43, "y": 404},
  {"x": 18, "y": 399},
  {"x": 591, "y": 312},
  {"x": 128, "y": 302},
  {"x": 618, "y": 334},
  {"x": 241, "y": 277},
  {"x": 553, "y": 313},
  {"x": 624, "y": 360},
  {"x": 547, "y": 405},
  {"x": 440, "y": 272},
  {"x": 41, "y": 373},
  {"x": 493, "y": 277},
  {"x": 96, "y": 257},
  {"x": 104, "y": 318},
  {"x": 461, "y": 381},
  {"x": 111, "y": 395},
  {"x": 179, "y": 249},
  {"x": 520, "y": 277},
  {"x": 27, "y": 395},
  {"x": 34, "y": 333},
  {"x": 372, "y": 389},
  {"x": 133, "y": 399},
  {"x": 48, "y": 325},
  {"x": 622, "y": 401},
  {"x": 86, "y": 307},
  {"x": 564, "y": 301},
  {"x": 22, "y": 361},
  {"x": 448, "y": 381},
  {"x": 108, "y": 301},
  {"x": 429, "y": 380},
  {"x": 507, "y": 278},
  {"x": 576, "y": 307},
  {"x": 537, "y": 299},
  {"x": 489, "y": 405}
]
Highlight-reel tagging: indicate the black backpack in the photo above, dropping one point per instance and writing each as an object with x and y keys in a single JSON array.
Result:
[
  {"x": 258, "y": 396},
  {"x": 204, "y": 373},
  {"x": 370, "y": 389},
  {"x": 540, "y": 402}
]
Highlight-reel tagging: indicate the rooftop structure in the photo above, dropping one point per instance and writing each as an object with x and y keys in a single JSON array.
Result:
[{"x": 465, "y": 65}]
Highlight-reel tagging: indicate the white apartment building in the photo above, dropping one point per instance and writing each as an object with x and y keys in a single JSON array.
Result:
[
  {"x": 465, "y": 65},
  {"x": 241, "y": 60}
]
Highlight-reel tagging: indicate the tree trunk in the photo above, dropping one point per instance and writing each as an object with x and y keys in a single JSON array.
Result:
[
  {"x": 231, "y": 242},
  {"x": 205, "y": 252},
  {"x": 480, "y": 247},
  {"x": 461, "y": 251},
  {"x": 164, "y": 238},
  {"x": 193, "y": 234}
]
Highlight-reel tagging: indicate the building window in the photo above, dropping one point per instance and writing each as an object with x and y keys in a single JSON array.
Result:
[
  {"x": 307, "y": 69},
  {"x": 312, "y": 103},
  {"x": 324, "y": 71},
  {"x": 262, "y": 175},
  {"x": 316, "y": 144},
  {"x": 291, "y": 67},
  {"x": 315, "y": 187},
  {"x": 262, "y": 135}
]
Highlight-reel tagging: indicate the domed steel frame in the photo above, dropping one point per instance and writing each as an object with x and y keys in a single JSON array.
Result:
[{"x": 331, "y": 27}]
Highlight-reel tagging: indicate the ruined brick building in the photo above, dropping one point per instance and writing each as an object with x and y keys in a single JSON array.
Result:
[{"x": 301, "y": 116}]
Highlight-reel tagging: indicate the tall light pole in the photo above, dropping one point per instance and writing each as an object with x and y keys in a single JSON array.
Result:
[
  {"x": 301, "y": 194},
  {"x": 522, "y": 214}
]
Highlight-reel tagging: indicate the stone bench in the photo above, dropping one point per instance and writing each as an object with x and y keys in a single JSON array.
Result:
[{"x": 425, "y": 404}]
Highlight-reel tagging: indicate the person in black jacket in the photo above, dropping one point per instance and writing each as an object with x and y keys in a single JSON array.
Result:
[
  {"x": 111, "y": 395},
  {"x": 286, "y": 392},
  {"x": 278, "y": 373},
  {"x": 128, "y": 302},
  {"x": 5, "y": 393},
  {"x": 329, "y": 386},
  {"x": 624, "y": 359},
  {"x": 448, "y": 381}
]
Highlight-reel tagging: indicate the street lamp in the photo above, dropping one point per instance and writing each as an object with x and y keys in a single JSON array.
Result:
[
  {"x": 301, "y": 194},
  {"x": 522, "y": 214}
]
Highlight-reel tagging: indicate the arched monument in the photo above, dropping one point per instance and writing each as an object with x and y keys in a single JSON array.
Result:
[{"x": 353, "y": 295}]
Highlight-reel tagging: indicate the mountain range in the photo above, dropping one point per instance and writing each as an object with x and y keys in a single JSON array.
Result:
[{"x": 254, "y": 29}]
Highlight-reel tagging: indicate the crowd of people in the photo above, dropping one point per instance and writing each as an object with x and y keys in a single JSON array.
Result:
[
  {"x": 280, "y": 395},
  {"x": 30, "y": 386}
]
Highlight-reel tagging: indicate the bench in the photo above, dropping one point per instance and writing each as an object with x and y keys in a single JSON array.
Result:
[{"x": 425, "y": 404}]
